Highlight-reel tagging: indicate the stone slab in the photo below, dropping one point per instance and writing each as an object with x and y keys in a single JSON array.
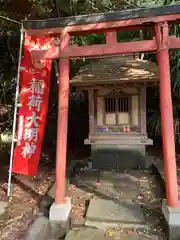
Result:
[
  {"x": 116, "y": 192},
  {"x": 87, "y": 178},
  {"x": 91, "y": 234},
  {"x": 116, "y": 225},
  {"x": 113, "y": 185},
  {"x": 138, "y": 176},
  {"x": 109, "y": 211},
  {"x": 117, "y": 179}
]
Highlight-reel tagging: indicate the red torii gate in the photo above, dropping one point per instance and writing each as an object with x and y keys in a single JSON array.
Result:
[{"x": 110, "y": 23}]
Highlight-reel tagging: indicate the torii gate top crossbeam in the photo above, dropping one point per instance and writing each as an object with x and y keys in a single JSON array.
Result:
[
  {"x": 103, "y": 21},
  {"x": 108, "y": 23}
]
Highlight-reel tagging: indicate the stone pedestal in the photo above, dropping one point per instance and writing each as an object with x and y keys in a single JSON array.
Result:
[
  {"x": 119, "y": 157},
  {"x": 172, "y": 221},
  {"x": 60, "y": 212}
]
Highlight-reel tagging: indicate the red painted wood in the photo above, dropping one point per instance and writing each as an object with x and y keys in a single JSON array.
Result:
[
  {"x": 104, "y": 26},
  {"x": 63, "y": 100},
  {"x": 111, "y": 38},
  {"x": 97, "y": 50},
  {"x": 119, "y": 48},
  {"x": 167, "y": 117}
]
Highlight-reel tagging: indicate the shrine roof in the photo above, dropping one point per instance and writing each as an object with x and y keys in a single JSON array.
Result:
[
  {"x": 121, "y": 69},
  {"x": 102, "y": 17}
]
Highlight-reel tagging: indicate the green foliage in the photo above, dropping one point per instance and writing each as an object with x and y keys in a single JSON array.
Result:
[
  {"x": 127, "y": 36},
  {"x": 39, "y": 9},
  {"x": 150, "y": 3}
]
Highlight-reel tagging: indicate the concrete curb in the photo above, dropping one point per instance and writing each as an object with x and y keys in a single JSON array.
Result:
[
  {"x": 43, "y": 229},
  {"x": 40, "y": 229},
  {"x": 160, "y": 178},
  {"x": 159, "y": 171}
]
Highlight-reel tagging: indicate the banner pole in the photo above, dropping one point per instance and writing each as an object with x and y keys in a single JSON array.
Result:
[{"x": 15, "y": 111}]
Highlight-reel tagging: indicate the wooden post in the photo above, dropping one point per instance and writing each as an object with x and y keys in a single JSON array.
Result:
[
  {"x": 95, "y": 109},
  {"x": 63, "y": 100},
  {"x": 142, "y": 109},
  {"x": 111, "y": 38},
  {"x": 91, "y": 110},
  {"x": 162, "y": 37}
]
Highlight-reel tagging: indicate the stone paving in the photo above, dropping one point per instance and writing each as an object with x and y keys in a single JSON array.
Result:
[
  {"x": 137, "y": 188},
  {"x": 116, "y": 212},
  {"x": 91, "y": 234}
]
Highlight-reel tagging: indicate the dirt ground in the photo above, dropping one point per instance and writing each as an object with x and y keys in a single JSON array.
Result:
[{"x": 24, "y": 202}]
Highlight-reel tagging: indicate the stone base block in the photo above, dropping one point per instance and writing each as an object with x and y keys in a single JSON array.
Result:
[
  {"x": 60, "y": 212},
  {"x": 118, "y": 157},
  {"x": 172, "y": 221}
]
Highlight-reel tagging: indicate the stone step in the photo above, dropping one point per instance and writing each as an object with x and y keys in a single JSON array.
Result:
[
  {"x": 103, "y": 213},
  {"x": 92, "y": 234}
]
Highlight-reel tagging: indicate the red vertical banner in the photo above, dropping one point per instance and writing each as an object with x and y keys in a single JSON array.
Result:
[{"x": 34, "y": 95}]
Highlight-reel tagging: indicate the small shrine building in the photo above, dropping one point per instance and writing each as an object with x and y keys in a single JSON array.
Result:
[{"x": 117, "y": 110}]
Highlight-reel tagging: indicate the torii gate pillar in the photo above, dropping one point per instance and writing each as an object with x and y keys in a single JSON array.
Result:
[
  {"x": 60, "y": 210},
  {"x": 171, "y": 206},
  {"x": 167, "y": 115}
]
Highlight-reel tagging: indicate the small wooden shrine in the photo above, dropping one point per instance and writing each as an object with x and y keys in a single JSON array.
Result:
[{"x": 117, "y": 109}]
